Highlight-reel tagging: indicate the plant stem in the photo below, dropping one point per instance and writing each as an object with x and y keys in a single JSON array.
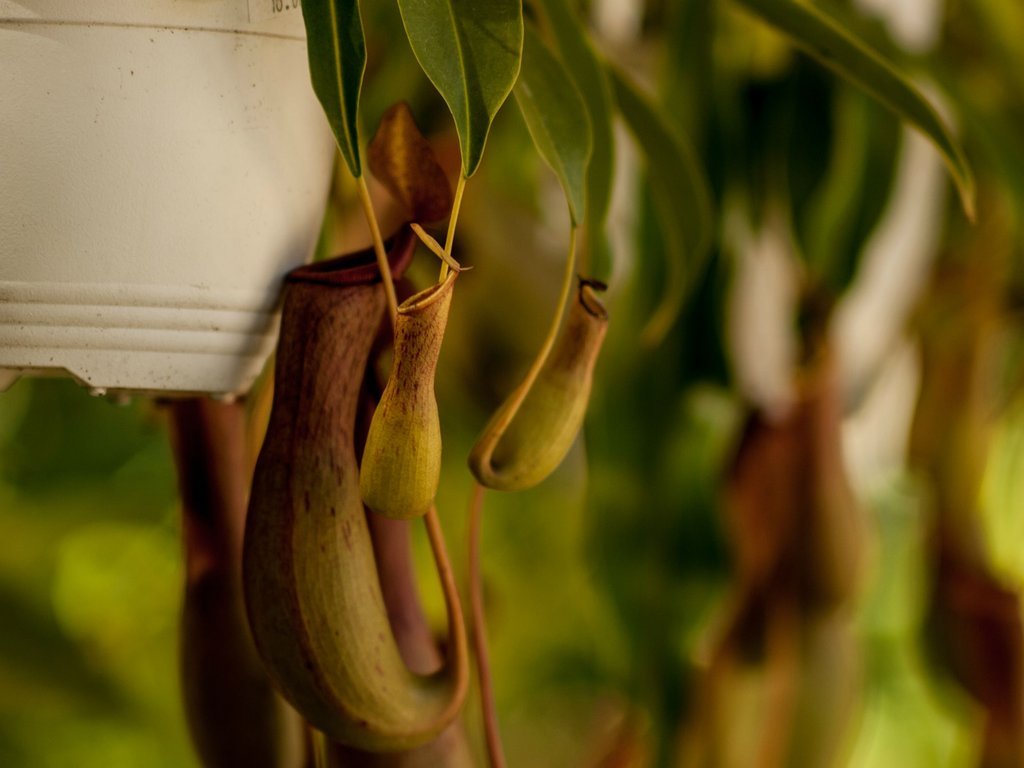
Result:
[
  {"x": 452, "y": 222},
  {"x": 378, "y": 248},
  {"x": 458, "y": 653},
  {"x": 586, "y": 257},
  {"x": 234, "y": 715},
  {"x": 492, "y": 735}
]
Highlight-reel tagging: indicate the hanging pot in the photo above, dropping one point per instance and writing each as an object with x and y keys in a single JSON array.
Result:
[{"x": 163, "y": 165}]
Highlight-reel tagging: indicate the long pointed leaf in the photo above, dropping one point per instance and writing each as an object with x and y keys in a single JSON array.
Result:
[
  {"x": 681, "y": 199},
  {"x": 471, "y": 51},
  {"x": 831, "y": 212},
  {"x": 337, "y": 60},
  {"x": 823, "y": 39},
  {"x": 854, "y": 191},
  {"x": 557, "y": 119},
  {"x": 585, "y": 67}
]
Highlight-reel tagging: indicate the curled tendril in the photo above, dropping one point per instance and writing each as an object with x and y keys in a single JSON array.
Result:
[{"x": 533, "y": 430}]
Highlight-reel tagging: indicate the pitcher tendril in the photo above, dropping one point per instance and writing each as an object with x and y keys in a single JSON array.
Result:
[
  {"x": 478, "y": 624},
  {"x": 509, "y": 411},
  {"x": 449, "y": 241},
  {"x": 533, "y": 430},
  {"x": 378, "y": 249}
]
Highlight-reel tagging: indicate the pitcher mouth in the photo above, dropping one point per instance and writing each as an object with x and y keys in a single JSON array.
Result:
[
  {"x": 358, "y": 267},
  {"x": 421, "y": 300},
  {"x": 588, "y": 298}
]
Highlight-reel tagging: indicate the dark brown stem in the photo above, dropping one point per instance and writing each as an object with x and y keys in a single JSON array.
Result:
[
  {"x": 234, "y": 716},
  {"x": 208, "y": 442},
  {"x": 478, "y": 625},
  {"x": 392, "y": 546}
]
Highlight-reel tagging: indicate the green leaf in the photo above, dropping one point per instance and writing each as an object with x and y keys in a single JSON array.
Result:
[
  {"x": 681, "y": 198},
  {"x": 35, "y": 652},
  {"x": 854, "y": 192},
  {"x": 831, "y": 209},
  {"x": 588, "y": 73},
  {"x": 823, "y": 39},
  {"x": 556, "y": 116},
  {"x": 471, "y": 51},
  {"x": 337, "y": 59},
  {"x": 1000, "y": 23}
]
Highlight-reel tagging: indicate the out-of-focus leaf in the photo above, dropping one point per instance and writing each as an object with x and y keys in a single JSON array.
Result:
[
  {"x": 395, "y": 73},
  {"x": 404, "y": 162},
  {"x": 10, "y": 754},
  {"x": 93, "y": 601},
  {"x": 45, "y": 455},
  {"x": 556, "y": 117},
  {"x": 998, "y": 138},
  {"x": 1001, "y": 21},
  {"x": 1003, "y": 495},
  {"x": 13, "y": 407},
  {"x": 337, "y": 59},
  {"x": 583, "y": 64},
  {"x": 681, "y": 197},
  {"x": 832, "y": 209},
  {"x": 688, "y": 81},
  {"x": 38, "y": 660},
  {"x": 823, "y": 39},
  {"x": 471, "y": 51},
  {"x": 883, "y": 163}
]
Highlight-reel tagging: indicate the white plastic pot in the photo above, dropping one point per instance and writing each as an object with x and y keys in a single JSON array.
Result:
[{"x": 162, "y": 164}]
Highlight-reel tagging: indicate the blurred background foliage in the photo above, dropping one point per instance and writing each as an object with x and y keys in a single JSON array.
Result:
[{"x": 607, "y": 584}]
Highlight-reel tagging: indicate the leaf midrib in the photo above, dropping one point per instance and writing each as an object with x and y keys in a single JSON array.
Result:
[
  {"x": 354, "y": 151},
  {"x": 464, "y": 82}
]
